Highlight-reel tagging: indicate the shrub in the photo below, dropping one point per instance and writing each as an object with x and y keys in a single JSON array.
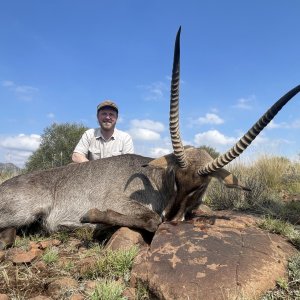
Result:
[
  {"x": 108, "y": 290},
  {"x": 57, "y": 144}
]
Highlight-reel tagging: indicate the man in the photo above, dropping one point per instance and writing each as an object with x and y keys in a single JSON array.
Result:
[{"x": 106, "y": 140}]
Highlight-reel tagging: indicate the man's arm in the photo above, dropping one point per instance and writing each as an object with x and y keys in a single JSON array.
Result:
[
  {"x": 78, "y": 157},
  {"x": 81, "y": 150}
]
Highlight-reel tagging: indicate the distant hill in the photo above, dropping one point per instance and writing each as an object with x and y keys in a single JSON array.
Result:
[{"x": 9, "y": 168}]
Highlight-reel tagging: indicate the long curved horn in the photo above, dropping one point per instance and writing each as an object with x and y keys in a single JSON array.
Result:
[
  {"x": 249, "y": 137},
  {"x": 174, "y": 107}
]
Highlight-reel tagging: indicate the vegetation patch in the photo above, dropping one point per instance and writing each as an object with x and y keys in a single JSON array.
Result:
[
  {"x": 281, "y": 227},
  {"x": 85, "y": 264},
  {"x": 109, "y": 290},
  {"x": 113, "y": 264},
  {"x": 287, "y": 289}
]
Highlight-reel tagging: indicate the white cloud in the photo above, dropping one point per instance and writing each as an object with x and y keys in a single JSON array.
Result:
[
  {"x": 21, "y": 142},
  {"x": 144, "y": 134},
  {"x": 145, "y": 130},
  {"x": 23, "y": 92},
  {"x": 209, "y": 119},
  {"x": 294, "y": 125},
  {"x": 213, "y": 138},
  {"x": 17, "y": 149},
  {"x": 245, "y": 103},
  {"x": 147, "y": 124},
  {"x": 157, "y": 152},
  {"x": 18, "y": 158}
]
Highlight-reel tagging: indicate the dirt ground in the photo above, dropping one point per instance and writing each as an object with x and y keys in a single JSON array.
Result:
[{"x": 57, "y": 267}]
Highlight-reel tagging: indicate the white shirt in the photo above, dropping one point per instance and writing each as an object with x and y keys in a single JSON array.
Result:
[{"x": 93, "y": 145}]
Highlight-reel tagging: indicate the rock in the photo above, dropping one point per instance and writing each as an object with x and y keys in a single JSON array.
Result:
[
  {"x": 125, "y": 238},
  {"x": 49, "y": 243},
  {"x": 34, "y": 245},
  {"x": 3, "y": 297},
  {"x": 62, "y": 287},
  {"x": 25, "y": 257},
  {"x": 222, "y": 256}
]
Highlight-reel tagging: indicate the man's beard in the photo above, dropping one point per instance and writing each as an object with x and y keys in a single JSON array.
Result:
[{"x": 106, "y": 125}]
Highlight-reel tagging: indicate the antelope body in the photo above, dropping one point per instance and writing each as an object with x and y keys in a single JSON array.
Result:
[{"x": 127, "y": 190}]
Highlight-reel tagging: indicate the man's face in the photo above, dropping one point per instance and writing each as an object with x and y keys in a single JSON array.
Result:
[{"x": 107, "y": 118}]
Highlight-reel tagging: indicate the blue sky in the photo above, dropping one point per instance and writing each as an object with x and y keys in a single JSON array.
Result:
[{"x": 60, "y": 58}]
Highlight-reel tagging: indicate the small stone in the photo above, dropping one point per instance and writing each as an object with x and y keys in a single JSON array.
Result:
[
  {"x": 49, "y": 243},
  {"x": 3, "y": 297},
  {"x": 26, "y": 257}
]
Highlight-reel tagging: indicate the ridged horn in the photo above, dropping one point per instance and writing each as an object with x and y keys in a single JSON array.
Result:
[
  {"x": 249, "y": 137},
  {"x": 174, "y": 107}
]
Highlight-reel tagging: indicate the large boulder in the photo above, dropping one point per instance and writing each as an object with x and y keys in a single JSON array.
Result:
[{"x": 224, "y": 256}]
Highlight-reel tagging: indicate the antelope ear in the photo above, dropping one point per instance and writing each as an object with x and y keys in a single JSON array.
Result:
[
  {"x": 162, "y": 162},
  {"x": 228, "y": 179}
]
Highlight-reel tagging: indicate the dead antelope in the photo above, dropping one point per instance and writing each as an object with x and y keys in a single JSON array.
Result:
[{"x": 127, "y": 190}]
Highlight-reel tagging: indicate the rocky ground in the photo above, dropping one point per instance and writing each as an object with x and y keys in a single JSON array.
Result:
[
  {"x": 67, "y": 266},
  {"x": 59, "y": 267}
]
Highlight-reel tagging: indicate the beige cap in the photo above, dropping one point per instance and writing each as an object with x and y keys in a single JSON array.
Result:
[{"x": 108, "y": 104}]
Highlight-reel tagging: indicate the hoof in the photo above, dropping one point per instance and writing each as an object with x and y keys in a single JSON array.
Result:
[
  {"x": 7, "y": 237},
  {"x": 85, "y": 218}
]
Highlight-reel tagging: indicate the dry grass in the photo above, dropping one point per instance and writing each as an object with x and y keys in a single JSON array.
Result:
[
  {"x": 271, "y": 179},
  {"x": 4, "y": 175}
]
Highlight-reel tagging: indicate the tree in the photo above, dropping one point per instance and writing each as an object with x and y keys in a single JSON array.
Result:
[{"x": 57, "y": 144}]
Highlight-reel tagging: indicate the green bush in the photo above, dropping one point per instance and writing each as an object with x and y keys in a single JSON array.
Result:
[{"x": 57, "y": 144}]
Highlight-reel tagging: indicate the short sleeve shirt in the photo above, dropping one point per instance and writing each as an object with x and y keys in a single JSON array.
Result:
[{"x": 93, "y": 145}]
